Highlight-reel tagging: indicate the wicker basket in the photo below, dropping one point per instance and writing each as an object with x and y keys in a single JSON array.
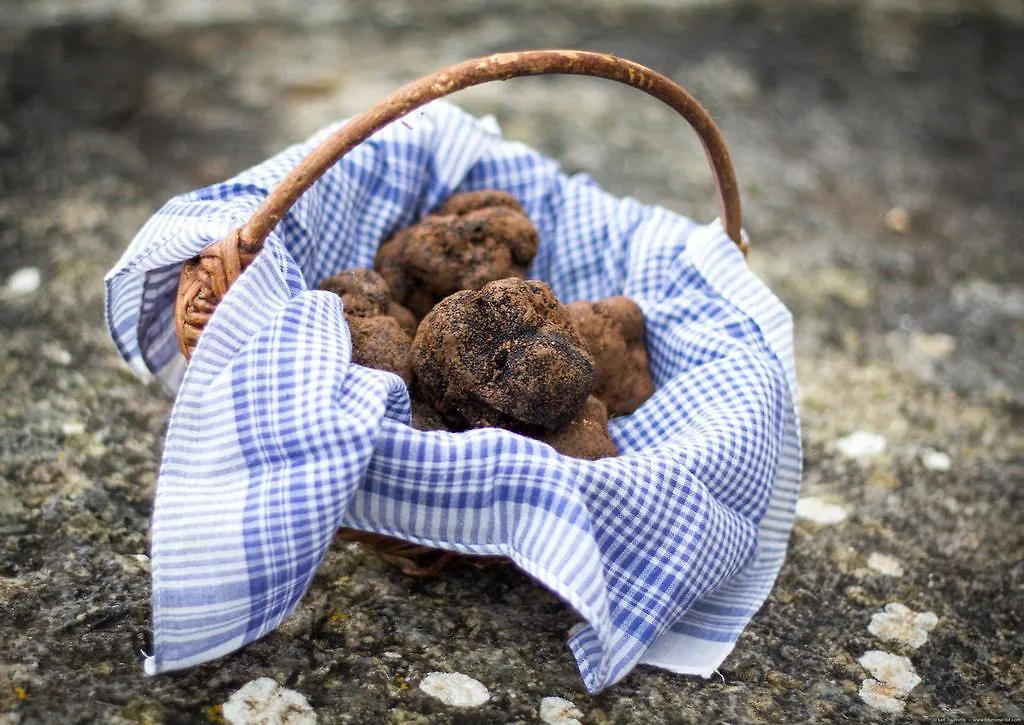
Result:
[{"x": 205, "y": 279}]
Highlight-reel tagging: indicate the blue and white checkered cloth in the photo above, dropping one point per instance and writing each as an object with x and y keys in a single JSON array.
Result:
[{"x": 276, "y": 439}]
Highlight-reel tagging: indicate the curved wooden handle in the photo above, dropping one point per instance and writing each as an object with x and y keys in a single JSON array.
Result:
[{"x": 205, "y": 278}]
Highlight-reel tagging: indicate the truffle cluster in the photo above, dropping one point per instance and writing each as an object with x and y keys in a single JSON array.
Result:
[
  {"x": 450, "y": 311},
  {"x": 474, "y": 238}
]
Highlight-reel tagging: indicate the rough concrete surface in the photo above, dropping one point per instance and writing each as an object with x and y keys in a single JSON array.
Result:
[{"x": 879, "y": 151}]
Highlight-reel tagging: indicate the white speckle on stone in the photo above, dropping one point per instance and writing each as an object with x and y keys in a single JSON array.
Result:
[
  {"x": 133, "y": 563},
  {"x": 819, "y": 511},
  {"x": 898, "y": 219},
  {"x": 936, "y": 460},
  {"x": 73, "y": 428},
  {"x": 455, "y": 689},
  {"x": 25, "y": 281},
  {"x": 899, "y": 623},
  {"x": 861, "y": 445},
  {"x": 933, "y": 347},
  {"x": 885, "y": 564},
  {"x": 951, "y": 505},
  {"x": 9, "y": 587},
  {"x": 577, "y": 628},
  {"x": 880, "y": 696},
  {"x": 264, "y": 702},
  {"x": 391, "y": 656},
  {"x": 559, "y": 711},
  {"x": 1006, "y": 300},
  {"x": 56, "y": 354},
  {"x": 893, "y": 670}
]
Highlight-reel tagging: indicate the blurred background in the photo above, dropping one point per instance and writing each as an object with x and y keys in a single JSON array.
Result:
[{"x": 879, "y": 150}]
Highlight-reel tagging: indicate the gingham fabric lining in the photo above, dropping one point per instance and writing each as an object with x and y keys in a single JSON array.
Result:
[{"x": 276, "y": 439}]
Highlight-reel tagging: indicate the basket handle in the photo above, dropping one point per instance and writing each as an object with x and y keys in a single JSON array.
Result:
[{"x": 206, "y": 278}]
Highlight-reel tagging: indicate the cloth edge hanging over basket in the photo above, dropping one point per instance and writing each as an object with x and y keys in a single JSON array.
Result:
[{"x": 717, "y": 260}]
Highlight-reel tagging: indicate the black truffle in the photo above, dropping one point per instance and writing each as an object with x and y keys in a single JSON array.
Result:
[
  {"x": 473, "y": 239},
  {"x": 586, "y": 436},
  {"x": 381, "y": 330},
  {"x": 613, "y": 329},
  {"x": 507, "y": 356}
]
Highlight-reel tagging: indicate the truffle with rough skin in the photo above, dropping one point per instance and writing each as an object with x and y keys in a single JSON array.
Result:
[
  {"x": 406, "y": 320},
  {"x": 586, "y": 436},
  {"x": 467, "y": 201},
  {"x": 505, "y": 356},
  {"x": 613, "y": 329},
  {"x": 474, "y": 238},
  {"x": 381, "y": 330},
  {"x": 425, "y": 417},
  {"x": 389, "y": 261},
  {"x": 363, "y": 292},
  {"x": 381, "y": 343}
]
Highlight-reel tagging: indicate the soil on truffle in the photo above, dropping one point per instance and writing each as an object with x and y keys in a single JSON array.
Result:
[
  {"x": 613, "y": 329},
  {"x": 406, "y": 320},
  {"x": 382, "y": 344},
  {"x": 587, "y": 435},
  {"x": 424, "y": 417},
  {"x": 363, "y": 292},
  {"x": 467, "y": 201},
  {"x": 506, "y": 356},
  {"x": 474, "y": 238},
  {"x": 381, "y": 330}
]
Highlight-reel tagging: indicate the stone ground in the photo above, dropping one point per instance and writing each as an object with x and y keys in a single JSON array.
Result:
[{"x": 882, "y": 168}]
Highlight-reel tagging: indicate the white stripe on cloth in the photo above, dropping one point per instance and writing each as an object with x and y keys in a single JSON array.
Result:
[{"x": 276, "y": 439}]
